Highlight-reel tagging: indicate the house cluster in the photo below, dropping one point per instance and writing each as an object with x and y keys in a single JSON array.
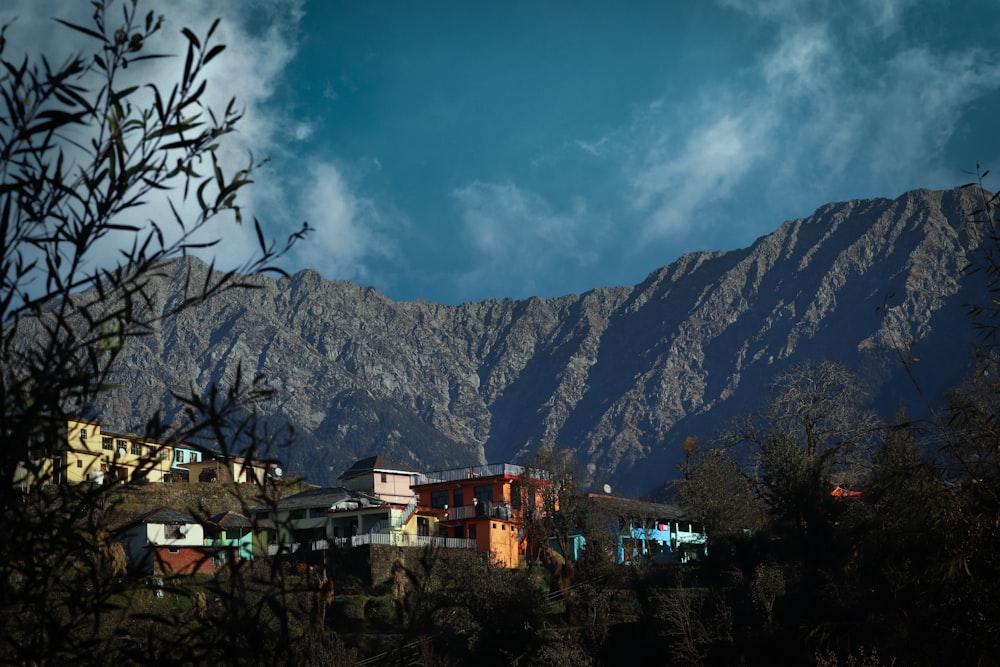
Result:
[
  {"x": 485, "y": 508},
  {"x": 94, "y": 454}
]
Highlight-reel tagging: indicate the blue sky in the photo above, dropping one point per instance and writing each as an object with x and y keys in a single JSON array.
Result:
[{"x": 462, "y": 150}]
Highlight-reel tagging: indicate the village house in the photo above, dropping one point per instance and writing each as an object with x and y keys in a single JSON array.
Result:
[
  {"x": 636, "y": 530},
  {"x": 234, "y": 469},
  {"x": 230, "y": 529},
  {"x": 184, "y": 454},
  {"x": 304, "y": 519},
  {"x": 381, "y": 477},
  {"x": 484, "y": 504},
  {"x": 165, "y": 541},
  {"x": 92, "y": 454}
]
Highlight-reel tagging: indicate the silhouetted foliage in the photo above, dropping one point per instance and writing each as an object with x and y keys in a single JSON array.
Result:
[{"x": 105, "y": 186}]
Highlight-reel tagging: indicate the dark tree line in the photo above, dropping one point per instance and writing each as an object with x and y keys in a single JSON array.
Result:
[{"x": 840, "y": 539}]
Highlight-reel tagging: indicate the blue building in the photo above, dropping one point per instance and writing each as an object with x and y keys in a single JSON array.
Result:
[{"x": 638, "y": 531}]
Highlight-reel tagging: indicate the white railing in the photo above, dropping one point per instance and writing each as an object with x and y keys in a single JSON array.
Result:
[
  {"x": 403, "y": 540},
  {"x": 488, "y": 511},
  {"x": 469, "y": 472},
  {"x": 293, "y": 547},
  {"x": 408, "y": 511},
  {"x": 384, "y": 525}
]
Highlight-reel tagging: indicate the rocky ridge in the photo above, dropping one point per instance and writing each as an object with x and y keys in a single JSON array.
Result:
[{"x": 620, "y": 375}]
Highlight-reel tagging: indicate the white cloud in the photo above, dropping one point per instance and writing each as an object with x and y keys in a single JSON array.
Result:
[
  {"x": 800, "y": 62},
  {"x": 345, "y": 227},
  {"x": 517, "y": 236},
  {"x": 829, "y": 100},
  {"x": 257, "y": 52},
  {"x": 677, "y": 179}
]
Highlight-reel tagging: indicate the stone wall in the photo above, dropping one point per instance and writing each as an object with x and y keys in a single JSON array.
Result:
[{"x": 416, "y": 559}]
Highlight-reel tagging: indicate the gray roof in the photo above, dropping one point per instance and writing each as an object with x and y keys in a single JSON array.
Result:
[
  {"x": 377, "y": 463},
  {"x": 230, "y": 520},
  {"x": 325, "y": 497},
  {"x": 163, "y": 515}
]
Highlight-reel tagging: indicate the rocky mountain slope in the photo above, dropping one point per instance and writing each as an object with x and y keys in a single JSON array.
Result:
[{"x": 620, "y": 375}]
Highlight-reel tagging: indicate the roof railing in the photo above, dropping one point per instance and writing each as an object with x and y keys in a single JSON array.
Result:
[{"x": 470, "y": 472}]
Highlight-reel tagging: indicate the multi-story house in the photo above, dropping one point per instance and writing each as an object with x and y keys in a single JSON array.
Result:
[
  {"x": 381, "y": 477},
  {"x": 485, "y": 504},
  {"x": 304, "y": 519},
  {"x": 129, "y": 458},
  {"x": 91, "y": 454},
  {"x": 636, "y": 530},
  {"x": 183, "y": 454},
  {"x": 236, "y": 469}
]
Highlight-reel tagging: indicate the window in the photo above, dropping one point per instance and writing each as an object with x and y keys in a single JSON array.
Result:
[
  {"x": 79, "y": 463},
  {"x": 423, "y": 526},
  {"x": 459, "y": 498},
  {"x": 297, "y": 514},
  {"x": 439, "y": 499},
  {"x": 173, "y": 531},
  {"x": 121, "y": 444},
  {"x": 385, "y": 478},
  {"x": 106, "y": 443},
  {"x": 484, "y": 494},
  {"x": 317, "y": 512},
  {"x": 151, "y": 452},
  {"x": 136, "y": 449},
  {"x": 472, "y": 531},
  {"x": 83, "y": 434},
  {"x": 179, "y": 456}
]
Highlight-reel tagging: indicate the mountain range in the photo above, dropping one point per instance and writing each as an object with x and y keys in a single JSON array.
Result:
[{"x": 619, "y": 375}]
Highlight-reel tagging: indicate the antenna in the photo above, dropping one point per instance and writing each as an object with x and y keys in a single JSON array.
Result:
[
  {"x": 278, "y": 472},
  {"x": 607, "y": 489},
  {"x": 121, "y": 452}
]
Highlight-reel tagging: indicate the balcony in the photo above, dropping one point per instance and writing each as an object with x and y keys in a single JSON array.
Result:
[
  {"x": 488, "y": 511},
  {"x": 403, "y": 540}
]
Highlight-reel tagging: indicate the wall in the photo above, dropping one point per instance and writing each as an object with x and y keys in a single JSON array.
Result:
[
  {"x": 186, "y": 560},
  {"x": 395, "y": 488},
  {"x": 381, "y": 558}
]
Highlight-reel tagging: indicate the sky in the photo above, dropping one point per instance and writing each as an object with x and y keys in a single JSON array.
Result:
[{"x": 456, "y": 150}]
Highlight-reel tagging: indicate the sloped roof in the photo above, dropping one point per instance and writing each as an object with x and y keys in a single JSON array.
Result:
[
  {"x": 231, "y": 520},
  {"x": 164, "y": 515},
  {"x": 630, "y": 508},
  {"x": 377, "y": 463}
]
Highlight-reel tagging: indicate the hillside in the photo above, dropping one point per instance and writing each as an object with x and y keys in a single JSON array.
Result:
[{"x": 619, "y": 374}]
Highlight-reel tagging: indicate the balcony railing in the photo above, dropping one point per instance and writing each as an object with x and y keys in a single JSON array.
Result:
[
  {"x": 403, "y": 540},
  {"x": 293, "y": 547},
  {"x": 486, "y": 511}
]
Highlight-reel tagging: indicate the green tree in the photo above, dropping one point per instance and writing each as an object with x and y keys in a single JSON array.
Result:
[{"x": 83, "y": 153}]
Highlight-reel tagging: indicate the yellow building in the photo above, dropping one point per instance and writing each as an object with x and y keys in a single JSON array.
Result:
[
  {"x": 129, "y": 458},
  {"x": 95, "y": 455}
]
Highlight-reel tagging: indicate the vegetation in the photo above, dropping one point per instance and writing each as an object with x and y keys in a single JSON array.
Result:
[
  {"x": 102, "y": 183},
  {"x": 908, "y": 571}
]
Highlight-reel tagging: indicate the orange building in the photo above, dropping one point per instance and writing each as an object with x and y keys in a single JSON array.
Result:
[{"x": 482, "y": 503}]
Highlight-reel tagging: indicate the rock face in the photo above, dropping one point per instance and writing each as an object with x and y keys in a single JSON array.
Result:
[{"x": 620, "y": 375}]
